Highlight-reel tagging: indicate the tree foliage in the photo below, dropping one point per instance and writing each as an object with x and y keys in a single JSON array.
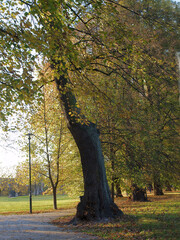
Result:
[{"x": 117, "y": 58}]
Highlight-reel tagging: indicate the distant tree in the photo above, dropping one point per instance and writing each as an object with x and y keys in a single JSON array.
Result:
[
  {"x": 55, "y": 145},
  {"x": 22, "y": 178}
]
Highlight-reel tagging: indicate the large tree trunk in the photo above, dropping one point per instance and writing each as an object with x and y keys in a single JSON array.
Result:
[
  {"x": 96, "y": 203},
  {"x": 138, "y": 194},
  {"x": 157, "y": 185},
  {"x": 158, "y": 188}
]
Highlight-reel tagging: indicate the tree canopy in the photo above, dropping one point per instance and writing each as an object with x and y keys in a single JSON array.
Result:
[{"x": 114, "y": 65}]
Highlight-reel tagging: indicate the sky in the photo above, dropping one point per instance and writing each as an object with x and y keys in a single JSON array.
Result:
[{"x": 10, "y": 150}]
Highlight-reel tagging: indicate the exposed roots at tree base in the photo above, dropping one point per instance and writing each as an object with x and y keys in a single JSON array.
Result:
[{"x": 91, "y": 212}]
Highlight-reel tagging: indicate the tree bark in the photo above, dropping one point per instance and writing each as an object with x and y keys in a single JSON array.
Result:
[
  {"x": 96, "y": 203},
  {"x": 118, "y": 190},
  {"x": 54, "y": 198},
  {"x": 138, "y": 194},
  {"x": 113, "y": 178},
  {"x": 158, "y": 188}
]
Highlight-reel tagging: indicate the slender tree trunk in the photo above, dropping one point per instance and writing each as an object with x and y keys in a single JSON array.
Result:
[
  {"x": 54, "y": 198},
  {"x": 118, "y": 190},
  {"x": 112, "y": 189},
  {"x": 49, "y": 165},
  {"x": 157, "y": 181},
  {"x": 113, "y": 178},
  {"x": 112, "y": 158},
  {"x": 96, "y": 203}
]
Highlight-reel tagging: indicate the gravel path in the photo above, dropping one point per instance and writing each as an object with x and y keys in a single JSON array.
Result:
[{"x": 36, "y": 227}]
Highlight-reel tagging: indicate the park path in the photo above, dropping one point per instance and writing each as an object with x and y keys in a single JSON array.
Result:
[{"x": 37, "y": 227}]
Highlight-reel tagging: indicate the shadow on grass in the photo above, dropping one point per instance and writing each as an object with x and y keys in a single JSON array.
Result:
[
  {"x": 157, "y": 219},
  {"x": 144, "y": 226},
  {"x": 161, "y": 226}
]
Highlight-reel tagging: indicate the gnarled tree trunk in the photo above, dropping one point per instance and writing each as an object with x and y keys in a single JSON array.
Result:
[
  {"x": 138, "y": 194},
  {"x": 96, "y": 203}
]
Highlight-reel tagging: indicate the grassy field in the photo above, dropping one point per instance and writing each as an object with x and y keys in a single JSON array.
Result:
[
  {"x": 20, "y": 205},
  {"x": 159, "y": 218}
]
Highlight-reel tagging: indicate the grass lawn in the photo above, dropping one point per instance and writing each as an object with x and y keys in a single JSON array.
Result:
[
  {"x": 40, "y": 203},
  {"x": 157, "y": 219}
]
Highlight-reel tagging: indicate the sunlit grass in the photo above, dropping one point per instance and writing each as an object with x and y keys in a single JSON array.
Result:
[
  {"x": 157, "y": 219},
  {"x": 39, "y": 204}
]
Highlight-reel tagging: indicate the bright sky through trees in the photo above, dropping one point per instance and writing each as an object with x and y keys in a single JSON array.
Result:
[{"x": 10, "y": 153}]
